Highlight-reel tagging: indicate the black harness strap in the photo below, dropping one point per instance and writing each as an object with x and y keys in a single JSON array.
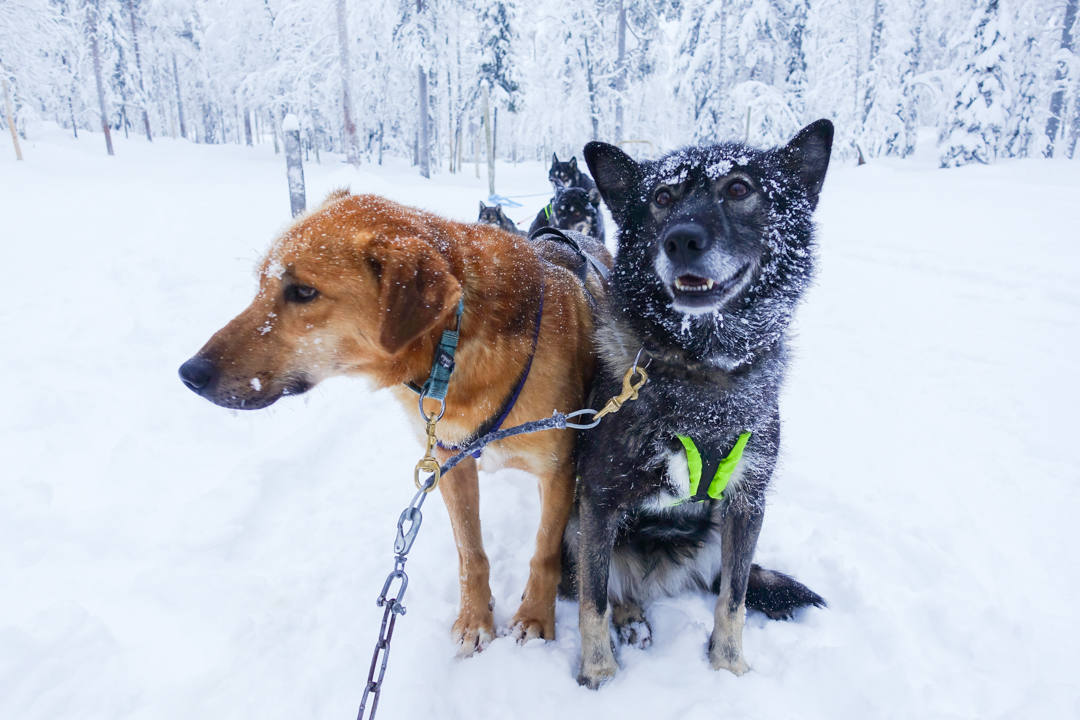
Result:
[{"x": 573, "y": 240}]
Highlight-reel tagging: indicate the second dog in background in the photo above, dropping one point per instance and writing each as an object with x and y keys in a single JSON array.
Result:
[
  {"x": 572, "y": 209},
  {"x": 494, "y": 215},
  {"x": 568, "y": 175}
]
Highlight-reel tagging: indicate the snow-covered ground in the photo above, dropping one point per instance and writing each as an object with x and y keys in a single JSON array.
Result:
[{"x": 163, "y": 558}]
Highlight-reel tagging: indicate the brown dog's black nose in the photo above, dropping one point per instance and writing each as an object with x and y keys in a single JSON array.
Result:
[
  {"x": 686, "y": 242},
  {"x": 197, "y": 373}
]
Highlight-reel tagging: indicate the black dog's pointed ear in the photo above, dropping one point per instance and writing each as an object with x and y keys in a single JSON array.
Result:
[
  {"x": 573, "y": 163},
  {"x": 594, "y": 197},
  {"x": 554, "y": 158},
  {"x": 482, "y": 206},
  {"x": 808, "y": 155},
  {"x": 616, "y": 175}
]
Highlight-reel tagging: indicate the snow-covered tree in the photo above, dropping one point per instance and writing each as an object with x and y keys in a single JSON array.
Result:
[
  {"x": 1066, "y": 68},
  {"x": 978, "y": 120}
]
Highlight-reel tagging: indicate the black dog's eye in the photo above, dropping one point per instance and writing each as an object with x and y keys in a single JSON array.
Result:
[
  {"x": 300, "y": 293},
  {"x": 737, "y": 190},
  {"x": 662, "y": 198}
]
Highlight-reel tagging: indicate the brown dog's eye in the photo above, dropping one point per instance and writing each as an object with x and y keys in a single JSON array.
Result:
[
  {"x": 737, "y": 190},
  {"x": 300, "y": 293},
  {"x": 662, "y": 198}
]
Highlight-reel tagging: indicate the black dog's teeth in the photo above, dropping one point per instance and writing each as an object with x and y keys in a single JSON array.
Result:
[{"x": 693, "y": 283}]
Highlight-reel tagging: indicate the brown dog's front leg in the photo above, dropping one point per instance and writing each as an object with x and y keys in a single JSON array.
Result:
[
  {"x": 475, "y": 624},
  {"x": 535, "y": 617}
]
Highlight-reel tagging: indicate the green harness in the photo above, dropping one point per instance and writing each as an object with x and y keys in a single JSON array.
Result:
[{"x": 724, "y": 470}]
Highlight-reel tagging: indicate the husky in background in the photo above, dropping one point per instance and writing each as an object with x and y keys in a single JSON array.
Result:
[
  {"x": 567, "y": 175},
  {"x": 715, "y": 249},
  {"x": 494, "y": 215},
  {"x": 572, "y": 209}
]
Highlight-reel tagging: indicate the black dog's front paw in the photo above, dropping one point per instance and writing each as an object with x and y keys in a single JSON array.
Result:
[{"x": 596, "y": 674}]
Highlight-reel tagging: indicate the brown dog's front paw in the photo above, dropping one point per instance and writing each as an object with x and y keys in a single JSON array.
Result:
[
  {"x": 528, "y": 626},
  {"x": 473, "y": 632}
]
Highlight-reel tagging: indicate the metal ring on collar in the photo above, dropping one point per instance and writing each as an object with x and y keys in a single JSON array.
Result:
[{"x": 433, "y": 416}]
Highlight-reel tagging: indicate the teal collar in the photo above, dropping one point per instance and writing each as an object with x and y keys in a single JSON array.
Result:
[{"x": 438, "y": 380}]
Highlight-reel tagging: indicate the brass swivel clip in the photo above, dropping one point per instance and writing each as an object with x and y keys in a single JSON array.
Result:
[
  {"x": 428, "y": 463},
  {"x": 632, "y": 381}
]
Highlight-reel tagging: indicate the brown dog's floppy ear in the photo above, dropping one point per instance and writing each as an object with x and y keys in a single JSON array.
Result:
[{"x": 416, "y": 288}]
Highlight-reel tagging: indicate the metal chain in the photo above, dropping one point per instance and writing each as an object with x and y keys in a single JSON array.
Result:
[{"x": 408, "y": 525}]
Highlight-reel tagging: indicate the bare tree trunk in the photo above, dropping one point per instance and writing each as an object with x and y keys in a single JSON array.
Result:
[
  {"x": 138, "y": 68},
  {"x": 450, "y": 118},
  {"x": 620, "y": 71},
  {"x": 9, "y": 112},
  {"x": 460, "y": 141},
  {"x": 352, "y": 147},
  {"x": 1057, "y": 100},
  {"x": 247, "y": 128},
  {"x": 92, "y": 31},
  {"x": 1074, "y": 133},
  {"x": 423, "y": 148},
  {"x": 380, "y": 141},
  {"x": 294, "y": 164},
  {"x": 594, "y": 112},
  {"x": 489, "y": 141},
  {"x": 71, "y": 112},
  {"x": 875, "y": 49},
  {"x": 273, "y": 129},
  {"x": 179, "y": 100}
]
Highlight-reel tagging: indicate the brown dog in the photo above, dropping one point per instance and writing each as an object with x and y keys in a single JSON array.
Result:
[{"x": 362, "y": 285}]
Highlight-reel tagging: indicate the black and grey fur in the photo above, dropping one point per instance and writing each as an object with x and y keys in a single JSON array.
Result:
[
  {"x": 572, "y": 209},
  {"x": 494, "y": 215},
  {"x": 567, "y": 175},
  {"x": 715, "y": 249}
]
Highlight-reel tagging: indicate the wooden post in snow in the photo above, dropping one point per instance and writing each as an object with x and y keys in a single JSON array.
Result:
[
  {"x": 290, "y": 127},
  {"x": 9, "y": 113}
]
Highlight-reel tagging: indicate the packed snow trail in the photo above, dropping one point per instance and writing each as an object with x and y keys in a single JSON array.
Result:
[{"x": 163, "y": 558}]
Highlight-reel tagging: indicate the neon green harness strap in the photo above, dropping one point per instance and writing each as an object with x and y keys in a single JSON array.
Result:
[
  {"x": 723, "y": 474},
  {"x": 547, "y": 211}
]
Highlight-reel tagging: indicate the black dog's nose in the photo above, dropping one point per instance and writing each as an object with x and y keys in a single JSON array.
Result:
[
  {"x": 686, "y": 242},
  {"x": 197, "y": 373}
]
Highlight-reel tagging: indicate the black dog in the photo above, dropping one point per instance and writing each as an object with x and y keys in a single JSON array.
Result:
[
  {"x": 567, "y": 174},
  {"x": 715, "y": 249},
  {"x": 572, "y": 209},
  {"x": 494, "y": 215}
]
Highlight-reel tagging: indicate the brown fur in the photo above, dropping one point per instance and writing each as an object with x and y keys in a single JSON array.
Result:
[{"x": 389, "y": 278}]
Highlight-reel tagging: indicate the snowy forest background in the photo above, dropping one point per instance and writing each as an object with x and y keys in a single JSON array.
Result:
[{"x": 449, "y": 82}]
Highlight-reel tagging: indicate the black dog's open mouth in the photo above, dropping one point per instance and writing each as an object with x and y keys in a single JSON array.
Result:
[
  {"x": 694, "y": 284},
  {"x": 698, "y": 291}
]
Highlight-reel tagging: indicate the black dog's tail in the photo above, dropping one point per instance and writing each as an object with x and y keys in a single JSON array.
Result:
[{"x": 778, "y": 595}]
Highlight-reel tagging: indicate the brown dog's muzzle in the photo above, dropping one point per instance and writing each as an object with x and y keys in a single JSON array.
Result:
[{"x": 203, "y": 377}]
